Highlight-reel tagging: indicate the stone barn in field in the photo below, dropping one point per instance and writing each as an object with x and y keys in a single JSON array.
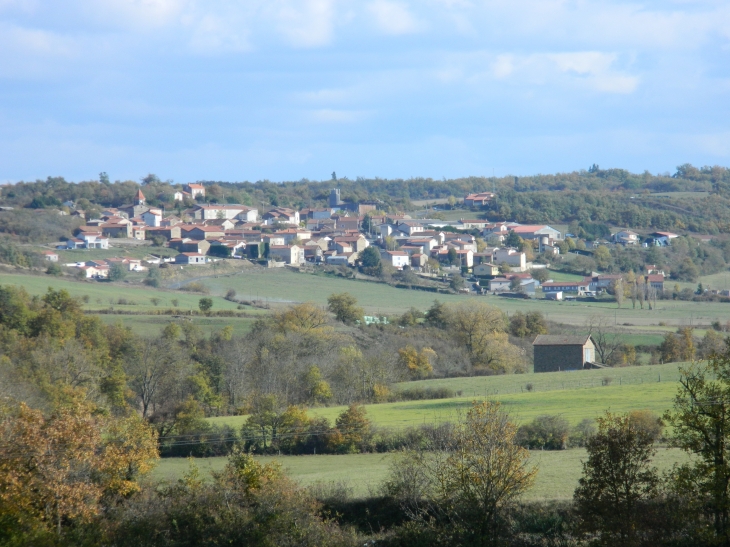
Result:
[{"x": 564, "y": 352}]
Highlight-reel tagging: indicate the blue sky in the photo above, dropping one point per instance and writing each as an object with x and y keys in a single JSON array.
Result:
[{"x": 291, "y": 89}]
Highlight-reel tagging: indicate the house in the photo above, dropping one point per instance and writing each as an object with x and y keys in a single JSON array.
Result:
[
  {"x": 281, "y": 215},
  {"x": 409, "y": 227},
  {"x": 204, "y": 232},
  {"x": 419, "y": 260},
  {"x": 656, "y": 281},
  {"x": 553, "y": 353},
  {"x": 187, "y": 245},
  {"x": 224, "y": 223},
  {"x": 94, "y": 240},
  {"x": 50, "y": 256},
  {"x": 288, "y": 254},
  {"x": 539, "y": 231},
  {"x": 346, "y": 259},
  {"x": 348, "y": 223},
  {"x": 604, "y": 281},
  {"x": 660, "y": 239},
  {"x": 195, "y": 190},
  {"x": 473, "y": 224},
  {"x": 397, "y": 259},
  {"x": 558, "y": 295},
  {"x": 168, "y": 232},
  {"x": 499, "y": 284},
  {"x": 478, "y": 200},
  {"x": 466, "y": 257},
  {"x": 486, "y": 269},
  {"x": 579, "y": 287},
  {"x": 95, "y": 271},
  {"x": 180, "y": 195},
  {"x": 152, "y": 217},
  {"x": 116, "y": 229},
  {"x": 511, "y": 257},
  {"x": 626, "y": 237},
  {"x": 215, "y": 212},
  {"x": 358, "y": 243},
  {"x": 190, "y": 258},
  {"x": 138, "y": 232}
]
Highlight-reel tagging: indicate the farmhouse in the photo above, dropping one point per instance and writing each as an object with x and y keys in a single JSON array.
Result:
[
  {"x": 478, "y": 200},
  {"x": 554, "y": 353},
  {"x": 190, "y": 258}
]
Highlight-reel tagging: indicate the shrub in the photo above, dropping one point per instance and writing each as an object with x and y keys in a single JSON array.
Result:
[
  {"x": 545, "y": 432},
  {"x": 195, "y": 286}
]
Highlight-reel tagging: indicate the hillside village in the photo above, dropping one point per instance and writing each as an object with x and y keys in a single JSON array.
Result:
[{"x": 338, "y": 234}]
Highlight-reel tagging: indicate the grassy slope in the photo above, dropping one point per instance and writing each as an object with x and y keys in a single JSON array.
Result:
[
  {"x": 558, "y": 471},
  {"x": 574, "y": 395},
  {"x": 285, "y": 286}
]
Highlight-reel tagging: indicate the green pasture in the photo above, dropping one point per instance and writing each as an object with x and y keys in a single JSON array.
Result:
[
  {"x": 132, "y": 251},
  {"x": 103, "y": 294},
  {"x": 624, "y": 377},
  {"x": 285, "y": 286},
  {"x": 557, "y": 477},
  {"x": 562, "y": 276},
  {"x": 151, "y": 325},
  {"x": 582, "y": 401}
]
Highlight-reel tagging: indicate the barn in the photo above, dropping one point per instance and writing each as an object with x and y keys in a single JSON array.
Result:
[{"x": 554, "y": 353}]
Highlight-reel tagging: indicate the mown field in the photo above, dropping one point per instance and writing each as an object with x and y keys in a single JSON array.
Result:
[
  {"x": 557, "y": 478},
  {"x": 284, "y": 286},
  {"x": 573, "y": 395}
]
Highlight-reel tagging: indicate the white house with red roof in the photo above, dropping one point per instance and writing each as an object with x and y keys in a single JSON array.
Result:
[{"x": 195, "y": 190}]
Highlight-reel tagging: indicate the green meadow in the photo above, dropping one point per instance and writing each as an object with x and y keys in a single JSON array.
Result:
[
  {"x": 557, "y": 476},
  {"x": 573, "y": 395}
]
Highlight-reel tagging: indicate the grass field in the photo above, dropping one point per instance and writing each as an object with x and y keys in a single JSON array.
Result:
[
  {"x": 285, "y": 286},
  {"x": 557, "y": 478},
  {"x": 573, "y": 395},
  {"x": 102, "y": 294},
  {"x": 151, "y": 325}
]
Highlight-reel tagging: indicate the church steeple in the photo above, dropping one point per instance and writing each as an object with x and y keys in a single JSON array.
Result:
[{"x": 139, "y": 198}]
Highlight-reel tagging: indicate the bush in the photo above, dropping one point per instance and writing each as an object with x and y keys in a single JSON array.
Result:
[
  {"x": 545, "y": 432},
  {"x": 195, "y": 286},
  {"x": 421, "y": 393}
]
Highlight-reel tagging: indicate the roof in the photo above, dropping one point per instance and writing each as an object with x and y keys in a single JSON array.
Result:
[
  {"x": 561, "y": 340},
  {"x": 139, "y": 196},
  {"x": 562, "y": 284},
  {"x": 655, "y": 278},
  {"x": 195, "y": 185},
  {"x": 190, "y": 254}
]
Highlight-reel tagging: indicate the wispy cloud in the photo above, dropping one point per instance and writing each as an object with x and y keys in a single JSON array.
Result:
[{"x": 394, "y": 18}]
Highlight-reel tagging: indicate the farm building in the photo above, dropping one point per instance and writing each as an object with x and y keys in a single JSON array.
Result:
[{"x": 563, "y": 352}]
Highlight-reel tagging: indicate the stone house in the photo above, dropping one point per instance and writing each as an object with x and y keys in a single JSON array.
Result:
[{"x": 553, "y": 353}]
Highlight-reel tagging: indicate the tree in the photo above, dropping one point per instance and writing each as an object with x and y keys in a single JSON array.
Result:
[
  {"x": 467, "y": 478},
  {"x": 205, "y": 304},
  {"x": 117, "y": 272},
  {"x": 540, "y": 274},
  {"x": 416, "y": 363},
  {"x": 345, "y": 308},
  {"x": 370, "y": 257},
  {"x": 617, "y": 288},
  {"x": 603, "y": 257},
  {"x": 527, "y": 325},
  {"x": 515, "y": 284},
  {"x": 545, "y": 432},
  {"x": 352, "y": 428},
  {"x": 437, "y": 315},
  {"x": 451, "y": 200},
  {"x": 55, "y": 470},
  {"x": 608, "y": 341},
  {"x": 617, "y": 479},
  {"x": 700, "y": 421},
  {"x": 54, "y": 269},
  {"x": 457, "y": 282},
  {"x": 686, "y": 271},
  {"x": 512, "y": 240}
]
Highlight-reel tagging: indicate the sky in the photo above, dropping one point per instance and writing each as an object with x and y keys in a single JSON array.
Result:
[{"x": 291, "y": 89}]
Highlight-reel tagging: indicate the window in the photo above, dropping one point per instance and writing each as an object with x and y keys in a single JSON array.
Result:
[{"x": 587, "y": 354}]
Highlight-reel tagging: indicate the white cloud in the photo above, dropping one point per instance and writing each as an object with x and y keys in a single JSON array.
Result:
[
  {"x": 394, "y": 18},
  {"x": 140, "y": 14},
  {"x": 593, "y": 69},
  {"x": 305, "y": 23}
]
